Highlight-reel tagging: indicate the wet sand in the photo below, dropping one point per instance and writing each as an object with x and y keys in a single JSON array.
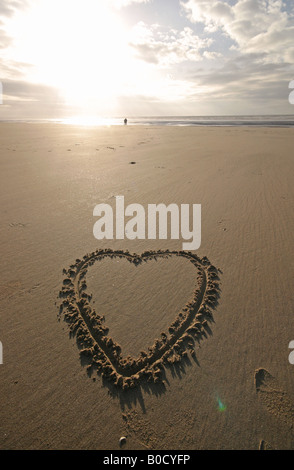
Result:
[{"x": 225, "y": 384}]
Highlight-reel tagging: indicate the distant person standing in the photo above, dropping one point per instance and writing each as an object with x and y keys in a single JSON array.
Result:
[{"x": 125, "y": 121}]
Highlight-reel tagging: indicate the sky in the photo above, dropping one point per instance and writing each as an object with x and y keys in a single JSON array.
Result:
[{"x": 105, "y": 58}]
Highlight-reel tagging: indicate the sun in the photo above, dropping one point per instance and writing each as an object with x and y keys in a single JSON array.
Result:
[
  {"x": 83, "y": 50},
  {"x": 77, "y": 46}
]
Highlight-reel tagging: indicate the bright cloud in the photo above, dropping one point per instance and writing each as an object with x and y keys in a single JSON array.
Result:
[
  {"x": 125, "y": 3},
  {"x": 166, "y": 47},
  {"x": 254, "y": 25}
]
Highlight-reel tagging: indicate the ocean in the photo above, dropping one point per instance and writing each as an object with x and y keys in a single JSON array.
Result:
[{"x": 254, "y": 121}]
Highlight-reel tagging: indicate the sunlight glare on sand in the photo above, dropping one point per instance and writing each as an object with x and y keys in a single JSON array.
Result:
[{"x": 91, "y": 121}]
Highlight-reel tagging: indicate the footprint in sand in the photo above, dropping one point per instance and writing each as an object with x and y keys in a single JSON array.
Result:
[
  {"x": 141, "y": 430},
  {"x": 273, "y": 397},
  {"x": 17, "y": 225}
]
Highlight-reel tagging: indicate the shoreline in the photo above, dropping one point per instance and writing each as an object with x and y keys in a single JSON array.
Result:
[{"x": 271, "y": 121}]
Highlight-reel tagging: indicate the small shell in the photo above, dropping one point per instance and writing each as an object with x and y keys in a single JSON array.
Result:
[{"x": 122, "y": 441}]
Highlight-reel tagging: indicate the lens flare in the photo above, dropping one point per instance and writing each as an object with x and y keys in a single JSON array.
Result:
[{"x": 220, "y": 405}]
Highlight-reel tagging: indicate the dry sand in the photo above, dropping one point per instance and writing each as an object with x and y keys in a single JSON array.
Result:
[{"x": 235, "y": 391}]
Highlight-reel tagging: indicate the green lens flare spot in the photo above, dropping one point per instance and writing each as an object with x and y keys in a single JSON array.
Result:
[{"x": 221, "y": 406}]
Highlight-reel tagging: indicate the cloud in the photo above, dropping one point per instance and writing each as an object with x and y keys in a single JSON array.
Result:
[
  {"x": 255, "y": 71},
  {"x": 125, "y": 3},
  {"x": 8, "y": 8},
  {"x": 254, "y": 25},
  {"x": 244, "y": 84},
  {"x": 22, "y": 99},
  {"x": 212, "y": 13},
  {"x": 23, "y": 90},
  {"x": 210, "y": 55},
  {"x": 164, "y": 47},
  {"x": 14, "y": 70},
  {"x": 5, "y": 40}
]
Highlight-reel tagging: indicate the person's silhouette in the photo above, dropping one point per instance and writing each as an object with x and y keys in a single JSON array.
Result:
[{"x": 125, "y": 121}]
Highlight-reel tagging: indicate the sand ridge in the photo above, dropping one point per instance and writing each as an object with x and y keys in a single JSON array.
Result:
[{"x": 101, "y": 351}]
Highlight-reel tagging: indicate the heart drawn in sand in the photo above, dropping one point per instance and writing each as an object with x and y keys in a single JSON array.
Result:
[{"x": 101, "y": 350}]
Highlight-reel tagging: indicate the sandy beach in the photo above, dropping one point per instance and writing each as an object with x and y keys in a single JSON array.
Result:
[{"x": 233, "y": 388}]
